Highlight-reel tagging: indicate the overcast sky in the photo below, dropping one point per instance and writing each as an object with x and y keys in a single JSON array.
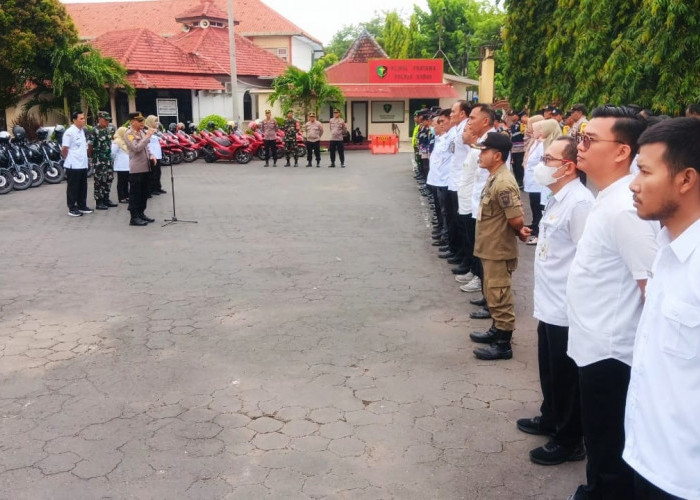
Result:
[{"x": 323, "y": 18}]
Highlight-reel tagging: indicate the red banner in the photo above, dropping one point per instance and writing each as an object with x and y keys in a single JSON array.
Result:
[{"x": 405, "y": 71}]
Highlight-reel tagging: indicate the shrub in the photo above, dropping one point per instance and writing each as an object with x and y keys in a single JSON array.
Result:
[{"x": 218, "y": 120}]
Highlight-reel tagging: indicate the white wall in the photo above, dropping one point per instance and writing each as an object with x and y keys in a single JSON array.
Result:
[
  {"x": 302, "y": 54},
  {"x": 206, "y": 103}
]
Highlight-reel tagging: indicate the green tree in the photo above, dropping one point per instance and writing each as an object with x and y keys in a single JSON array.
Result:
[
  {"x": 342, "y": 40},
  {"x": 30, "y": 30},
  {"x": 305, "y": 91}
]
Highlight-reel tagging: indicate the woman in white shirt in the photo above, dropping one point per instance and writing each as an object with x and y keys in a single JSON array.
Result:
[
  {"x": 544, "y": 133},
  {"x": 155, "y": 151},
  {"x": 120, "y": 156}
]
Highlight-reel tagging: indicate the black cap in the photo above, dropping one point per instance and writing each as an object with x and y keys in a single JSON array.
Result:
[
  {"x": 136, "y": 116},
  {"x": 496, "y": 141},
  {"x": 556, "y": 111}
]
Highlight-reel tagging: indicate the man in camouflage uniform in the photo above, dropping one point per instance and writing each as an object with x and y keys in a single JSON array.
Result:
[
  {"x": 102, "y": 160},
  {"x": 291, "y": 127}
]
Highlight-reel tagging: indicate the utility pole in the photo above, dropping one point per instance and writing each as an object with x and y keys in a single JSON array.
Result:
[{"x": 232, "y": 58}]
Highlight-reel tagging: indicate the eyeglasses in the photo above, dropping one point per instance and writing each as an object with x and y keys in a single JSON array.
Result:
[{"x": 586, "y": 140}]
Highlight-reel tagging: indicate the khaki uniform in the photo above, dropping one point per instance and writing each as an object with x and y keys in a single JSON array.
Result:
[{"x": 497, "y": 244}]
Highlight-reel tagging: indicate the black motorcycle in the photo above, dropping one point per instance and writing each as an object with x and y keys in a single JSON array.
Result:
[
  {"x": 12, "y": 161},
  {"x": 29, "y": 157},
  {"x": 51, "y": 160}
]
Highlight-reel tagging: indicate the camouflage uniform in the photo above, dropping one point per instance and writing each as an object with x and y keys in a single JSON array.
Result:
[
  {"x": 102, "y": 161},
  {"x": 291, "y": 127}
]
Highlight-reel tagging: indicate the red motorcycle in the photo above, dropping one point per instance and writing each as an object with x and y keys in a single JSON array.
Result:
[{"x": 220, "y": 146}]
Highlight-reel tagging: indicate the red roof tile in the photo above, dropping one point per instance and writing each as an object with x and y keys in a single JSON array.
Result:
[
  {"x": 206, "y": 9},
  {"x": 255, "y": 18},
  {"x": 211, "y": 45},
  {"x": 150, "y": 80},
  {"x": 364, "y": 48}
]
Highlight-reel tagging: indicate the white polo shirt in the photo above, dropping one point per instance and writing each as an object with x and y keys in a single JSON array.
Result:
[
  {"x": 561, "y": 228},
  {"x": 604, "y": 301},
  {"x": 662, "y": 418},
  {"x": 459, "y": 152},
  {"x": 74, "y": 140},
  {"x": 154, "y": 147},
  {"x": 440, "y": 160},
  {"x": 481, "y": 175}
]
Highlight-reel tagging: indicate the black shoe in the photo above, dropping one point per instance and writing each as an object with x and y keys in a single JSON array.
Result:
[
  {"x": 342, "y": 165},
  {"x": 332, "y": 165},
  {"x": 162, "y": 191},
  {"x": 554, "y": 454},
  {"x": 497, "y": 350},
  {"x": 85, "y": 210},
  {"x": 318, "y": 165},
  {"x": 266, "y": 164},
  {"x": 481, "y": 302},
  {"x": 100, "y": 206},
  {"x": 486, "y": 337},
  {"x": 446, "y": 255},
  {"x": 155, "y": 193},
  {"x": 482, "y": 313},
  {"x": 136, "y": 221},
  {"x": 109, "y": 203},
  {"x": 143, "y": 216},
  {"x": 444, "y": 248},
  {"x": 309, "y": 165},
  {"x": 149, "y": 195},
  {"x": 534, "y": 426},
  {"x": 296, "y": 164},
  {"x": 124, "y": 200},
  {"x": 274, "y": 164},
  {"x": 442, "y": 244},
  {"x": 460, "y": 270},
  {"x": 287, "y": 164},
  {"x": 455, "y": 260}
]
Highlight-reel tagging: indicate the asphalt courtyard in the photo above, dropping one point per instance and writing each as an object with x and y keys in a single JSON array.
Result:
[{"x": 301, "y": 340}]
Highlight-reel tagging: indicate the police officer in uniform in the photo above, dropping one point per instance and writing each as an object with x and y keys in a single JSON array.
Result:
[
  {"x": 268, "y": 129},
  {"x": 140, "y": 161},
  {"x": 102, "y": 161},
  {"x": 499, "y": 222},
  {"x": 338, "y": 130},
  {"x": 291, "y": 127},
  {"x": 314, "y": 131}
]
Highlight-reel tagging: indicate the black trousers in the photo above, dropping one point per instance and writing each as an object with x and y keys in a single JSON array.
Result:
[
  {"x": 437, "y": 212},
  {"x": 139, "y": 190},
  {"x": 76, "y": 189},
  {"x": 454, "y": 231},
  {"x": 313, "y": 148},
  {"x": 561, "y": 400},
  {"x": 154, "y": 177},
  {"x": 441, "y": 204},
  {"x": 340, "y": 148},
  {"x": 468, "y": 231},
  {"x": 603, "y": 396},
  {"x": 425, "y": 167},
  {"x": 270, "y": 150},
  {"x": 536, "y": 210},
  {"x": 518, "y": 170},
  {"x": 122, "y": 185},
  {"x": 644, "y": 490}
]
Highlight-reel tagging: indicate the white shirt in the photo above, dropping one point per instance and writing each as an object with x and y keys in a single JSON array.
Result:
[
  {"x": 662, "y": 418},
  {"x": 561, "y": 228},
  {"x": 459, "y": 152},
  {"x": 120, "y": 159},
  {"x": 154, "y": 147},
  {"x": 603, "y": 298},
  {"x": 440, "y": 160},
  {"x": 74, "y": 140},
  {"x": 481, "y": 175}
]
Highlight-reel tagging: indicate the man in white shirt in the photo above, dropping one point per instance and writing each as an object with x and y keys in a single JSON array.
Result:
[
  {"x": 561, "y": 227},
  {"x": 438, "y": 172},
  {"x": 74, "y": 152},
  {"x": 662, "y": 417},
  {"x": 604, "y": 294}
]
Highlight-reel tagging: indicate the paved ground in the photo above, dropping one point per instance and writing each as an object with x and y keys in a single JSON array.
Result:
[{"x": 301, "y": 341}]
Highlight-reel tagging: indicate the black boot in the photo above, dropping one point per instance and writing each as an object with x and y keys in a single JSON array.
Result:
[
  {"x": 309, "y": 164},
  {"x": 136, "y": 220},
  {"x": 318, "y": 164},
  {"x": 109, "y": 203},
  {"x": 287, "y": 164},
  {"x": 145, "y": 217},
  {"x": 486, "y": 337},
  {"x": 500, "y": 349},
  {"x": 267, "y": 164},
  {"x": 99, "y": 205},
  {"x": 296, "y": 163}
]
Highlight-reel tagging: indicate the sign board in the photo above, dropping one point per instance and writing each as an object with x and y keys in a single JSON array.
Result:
[
  {"x": 167, "y": 107},
  {"x": 410, "y": 71},
  {"x": 388, "y": 111}
]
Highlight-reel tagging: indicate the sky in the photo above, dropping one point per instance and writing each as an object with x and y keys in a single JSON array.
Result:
[{"x": 323, "y": 18}]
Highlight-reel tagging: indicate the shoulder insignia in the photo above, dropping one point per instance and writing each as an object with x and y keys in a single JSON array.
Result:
[
  {"x": 505, "y": 199},
  {"x": 582, "y": 127},
  {"x": 131, "y": 137}
]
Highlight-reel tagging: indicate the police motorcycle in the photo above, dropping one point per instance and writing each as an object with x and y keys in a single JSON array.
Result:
[
  {"x": 50, "y": 157},
  {"x": 12, "y": 161},
  {"x": 29, "y": 157}
]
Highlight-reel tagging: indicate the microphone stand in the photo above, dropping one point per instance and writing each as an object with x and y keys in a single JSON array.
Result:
[{"x": 174, "y": 218}]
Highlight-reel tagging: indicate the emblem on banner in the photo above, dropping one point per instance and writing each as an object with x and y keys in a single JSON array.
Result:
[{"x": 382, "y": 71}]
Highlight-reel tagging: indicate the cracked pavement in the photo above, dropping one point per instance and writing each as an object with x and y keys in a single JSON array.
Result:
[{"x": 302, "y": 341}]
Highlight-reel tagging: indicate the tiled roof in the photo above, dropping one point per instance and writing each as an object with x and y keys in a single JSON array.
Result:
[
  {"x": 211, "y": 45},
  {"x": 255, "y": 18},
  {"x": 151, "y": 80},
  {"x": 364, "y": 48},
  {"x": 206, "y": 9}
]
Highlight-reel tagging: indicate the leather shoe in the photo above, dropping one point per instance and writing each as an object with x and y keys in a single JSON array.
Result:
[
  {"x": 446, "y": 255},
  {"x": 481, "y": 302},
  {"x": 100, "y": 206},
  {"x": 441, "y": 243},
  {"x": 143, "y": 216},
  {"x": 137, "y": 221},
  {"x": 555, "y": 454},
  {"x": 534, "y": 426},
  {"x": 497, "y": 350},
  {"x": 455, "y": 260},
  {"x": 460, "y": 270},
  {"x": 162, "y": 191},
  {"x": 482, "y": 313},
  {"x": 109, "y": 203},
  {"x": 445, "y": 247},
  {"x": 484, "y": 337}
]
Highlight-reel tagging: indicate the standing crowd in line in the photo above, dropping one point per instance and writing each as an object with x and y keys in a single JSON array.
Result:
[
  {"x": 616, "y": 293},
  {"x": 133, "y": 153}
]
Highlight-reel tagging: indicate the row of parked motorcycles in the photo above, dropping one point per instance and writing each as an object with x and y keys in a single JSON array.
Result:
[
  {"x": 25, "y": 164},
  {"x": 213, "y": 144}
]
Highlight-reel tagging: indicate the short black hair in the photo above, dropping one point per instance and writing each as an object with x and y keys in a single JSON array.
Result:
[
  {"x": 75, "y": 114},
  {"x": 570, "y": 150},
  {"x": 680, "y": 136},
  {"x": 504, "y": 153},
  {"x": 579, "y": 106},
  {"x": 628, "y": 124},
  {"x": 465, "y": 106},
  {"x": 694, "y": 109},
  {"x": 445, "y": 112},
  {"x": 488, "y": 111}
]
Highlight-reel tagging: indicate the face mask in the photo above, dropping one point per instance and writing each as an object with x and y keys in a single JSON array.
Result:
[{"x": 544, "y": 174}]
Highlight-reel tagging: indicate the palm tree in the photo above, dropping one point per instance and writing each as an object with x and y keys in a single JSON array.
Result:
[
  {"x": 305, "y": 90},
  {"x": 81, "y": 70}
]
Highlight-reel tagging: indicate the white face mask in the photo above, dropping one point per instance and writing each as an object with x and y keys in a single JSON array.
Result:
[{"x": 544, "y": 174}]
